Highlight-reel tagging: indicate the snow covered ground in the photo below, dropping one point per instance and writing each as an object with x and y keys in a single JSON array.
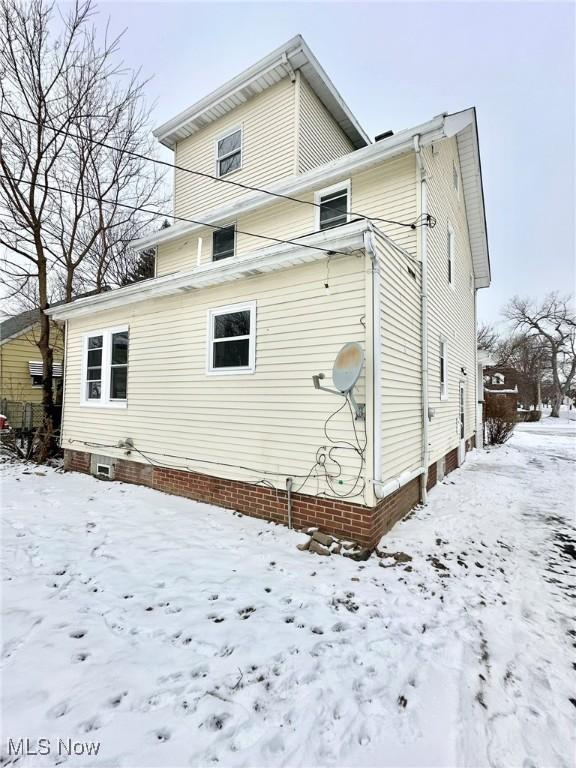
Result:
[{"x": 179, "y": 634}]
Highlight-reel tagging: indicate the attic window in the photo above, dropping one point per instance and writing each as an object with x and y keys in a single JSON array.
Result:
[
  {"x": 333, "y": 205},
  {"x": 229, "y": 153},
  {"x": 223, "y": 243}
]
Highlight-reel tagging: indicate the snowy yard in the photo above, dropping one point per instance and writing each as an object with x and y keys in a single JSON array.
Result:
[{"x": 178, "y": 634}]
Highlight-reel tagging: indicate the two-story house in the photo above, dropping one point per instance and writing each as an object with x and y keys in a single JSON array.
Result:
[{"x": 293, "y": 235}]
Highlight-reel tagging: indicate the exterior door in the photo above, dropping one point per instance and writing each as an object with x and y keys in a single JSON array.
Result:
[{"x": 462, "y": 423}]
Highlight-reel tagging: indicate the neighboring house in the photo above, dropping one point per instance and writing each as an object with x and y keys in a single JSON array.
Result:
[
  {"x": 20, "y": 360},
  {"x": 503, "y": 380},
  {"x": 199, "y": 381}
]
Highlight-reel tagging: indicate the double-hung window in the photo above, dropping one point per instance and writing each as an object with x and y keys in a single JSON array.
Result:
[
  {"x": 105, "y": 371},
  {"x": 232, "y": 338},
  {"x": 223, "y": 242},
  {"x": 450, "y": 249},
  {"x": 332, "y": 206},
  {"x": 229, "y": 153},
  {"x": 443, "y": 370}
]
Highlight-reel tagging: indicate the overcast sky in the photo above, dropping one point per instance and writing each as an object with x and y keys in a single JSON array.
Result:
[{"x": 399, "y": 64}]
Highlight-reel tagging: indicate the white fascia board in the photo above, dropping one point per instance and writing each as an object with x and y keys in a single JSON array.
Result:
[
  {"x": 348, "y": 239},
  {"x": 354, "y": 162},
  {"x": 167, "y": 133}
]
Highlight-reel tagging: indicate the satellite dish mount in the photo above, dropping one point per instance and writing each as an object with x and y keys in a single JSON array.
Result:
[{"x": 345, "y": 373}]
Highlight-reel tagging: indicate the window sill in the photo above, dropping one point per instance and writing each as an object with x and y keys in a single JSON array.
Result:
[
  {"x": 231, "y": 372},
  {"x": 104, "y": 404}
]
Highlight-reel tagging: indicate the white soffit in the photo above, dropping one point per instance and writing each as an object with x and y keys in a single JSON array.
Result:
[{"x": 294, "y": 55}]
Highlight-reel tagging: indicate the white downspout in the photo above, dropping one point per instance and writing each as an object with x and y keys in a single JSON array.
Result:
[
  {"x": 423, "y": 231},
  {"x": 376, "y": 350}
]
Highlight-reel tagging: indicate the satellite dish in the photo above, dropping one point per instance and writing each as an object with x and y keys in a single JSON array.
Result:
[
  {"x": 345, "y": 373},
  {"x": 348, "y": 366}
]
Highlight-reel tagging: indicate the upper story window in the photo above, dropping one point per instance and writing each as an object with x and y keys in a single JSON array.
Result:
[
  {"x": 333, "y": 206},
  {"x": 450, "y": 248},
  {"x": 223, "y": 242},
  {"x": 105, "y": 371},
  {"x": 443, "y": 370},
  {"x": 232, "y": 338},
  {"x": 455, "y": 178},
  {"x": 229, "y": 153}
]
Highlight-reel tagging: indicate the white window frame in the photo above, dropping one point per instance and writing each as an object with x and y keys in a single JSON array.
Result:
[
  {"x": 443, "y": 355},
  {"x": 248, "y": 306},
  {"x": 105, "y": 401},
  {"x": 217, "y": 158},
  {"x": 342, "y": 185},
  {"x": 224, "y": 226},
  {"x": 451, "y": 249}
]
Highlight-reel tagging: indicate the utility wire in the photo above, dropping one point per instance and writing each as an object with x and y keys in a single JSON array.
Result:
[
  {"x": 97, "y": 199},
  {"x": 419, "y": 222}
]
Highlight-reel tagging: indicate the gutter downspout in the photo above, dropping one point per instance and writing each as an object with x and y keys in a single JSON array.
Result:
[
  {"x": 423, "y": 231},
  {"x": 376, "y": 351}
]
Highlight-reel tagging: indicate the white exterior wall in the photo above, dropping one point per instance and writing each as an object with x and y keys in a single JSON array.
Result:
[
  {"x": 387, "y": 190},
  {"x": 401, "y": 382},
  {"x": 450, "y": 310},
  {"x": 272, "y": 420},
  {"x": 268, "y": 124},
  {"x": 320, "y": 138}
]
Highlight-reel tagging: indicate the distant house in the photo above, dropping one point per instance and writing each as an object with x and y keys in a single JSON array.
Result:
[
  {"x": 295, "y": 234},
  {"x": 21, "y": 367},
  {"x": 504, "y": 381}
]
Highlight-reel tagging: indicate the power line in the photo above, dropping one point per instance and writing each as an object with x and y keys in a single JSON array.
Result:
[
  {"x": 420, "y": 221},
  {"x": 140, "y": 209}
]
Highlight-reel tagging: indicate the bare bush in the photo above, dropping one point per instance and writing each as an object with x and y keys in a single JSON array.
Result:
[{"x": 499, "y": 418}]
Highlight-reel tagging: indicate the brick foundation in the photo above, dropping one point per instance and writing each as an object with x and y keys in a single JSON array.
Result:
[{"x": 340, "y": 518}]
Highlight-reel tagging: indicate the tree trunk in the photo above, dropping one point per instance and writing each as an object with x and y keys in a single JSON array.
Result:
[{"x": 44, "y": 443}]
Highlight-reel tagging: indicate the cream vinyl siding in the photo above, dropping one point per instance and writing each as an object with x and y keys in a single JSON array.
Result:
[
  {"x": 387, "y": 190},
  {"x": 401, "y": 382},
  {"x": 268, "y": 123},
  {"x": 271, "y": 420},
  {"x": 450, "y": 310},
  {"x": 15, "y": 356},
  {"x": 320, "y": 138}
]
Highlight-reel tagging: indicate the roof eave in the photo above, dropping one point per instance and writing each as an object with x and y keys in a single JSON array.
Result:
[
  {"x": 345, "y": 239},
  {"x": 167, "y": 133}
]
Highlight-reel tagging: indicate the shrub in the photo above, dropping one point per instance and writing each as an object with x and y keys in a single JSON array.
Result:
[{"x": 499, "y": 418}]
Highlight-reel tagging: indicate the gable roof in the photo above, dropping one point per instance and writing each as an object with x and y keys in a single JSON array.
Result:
[
  {"x": 282, "y": 62},
  {"x": 16, "y": 325}
]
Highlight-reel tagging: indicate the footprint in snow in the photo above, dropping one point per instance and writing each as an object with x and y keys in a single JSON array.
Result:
[
  {"x": 162, "y": 734},
  {"x": 217, "y": 722},
  {"x": 245, "y": 613},
  {"x": 79, "y": 657},
  {"x": 58, "y": 710},
  {"x": 115, "y": 701},
  {"x": 78, "y": 634},
  {"x": 93, "y": 724}
]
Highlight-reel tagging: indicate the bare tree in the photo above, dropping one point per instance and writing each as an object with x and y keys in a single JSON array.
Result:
[
  {"x": 63, "y": 193},
  {"x": 486, "y": 337},
  {"x": 529, "y": 357},
  {"x": 554, "y": 322}
]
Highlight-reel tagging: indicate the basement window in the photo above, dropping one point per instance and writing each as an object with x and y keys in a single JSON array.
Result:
[
  {"x": 105, "y": 370},
  {"x": 223, "y": 243},
  {"x": 332, "y": 206},
  {"x": 232, "y": 339},
  {"x": 229, "y": 153}
]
